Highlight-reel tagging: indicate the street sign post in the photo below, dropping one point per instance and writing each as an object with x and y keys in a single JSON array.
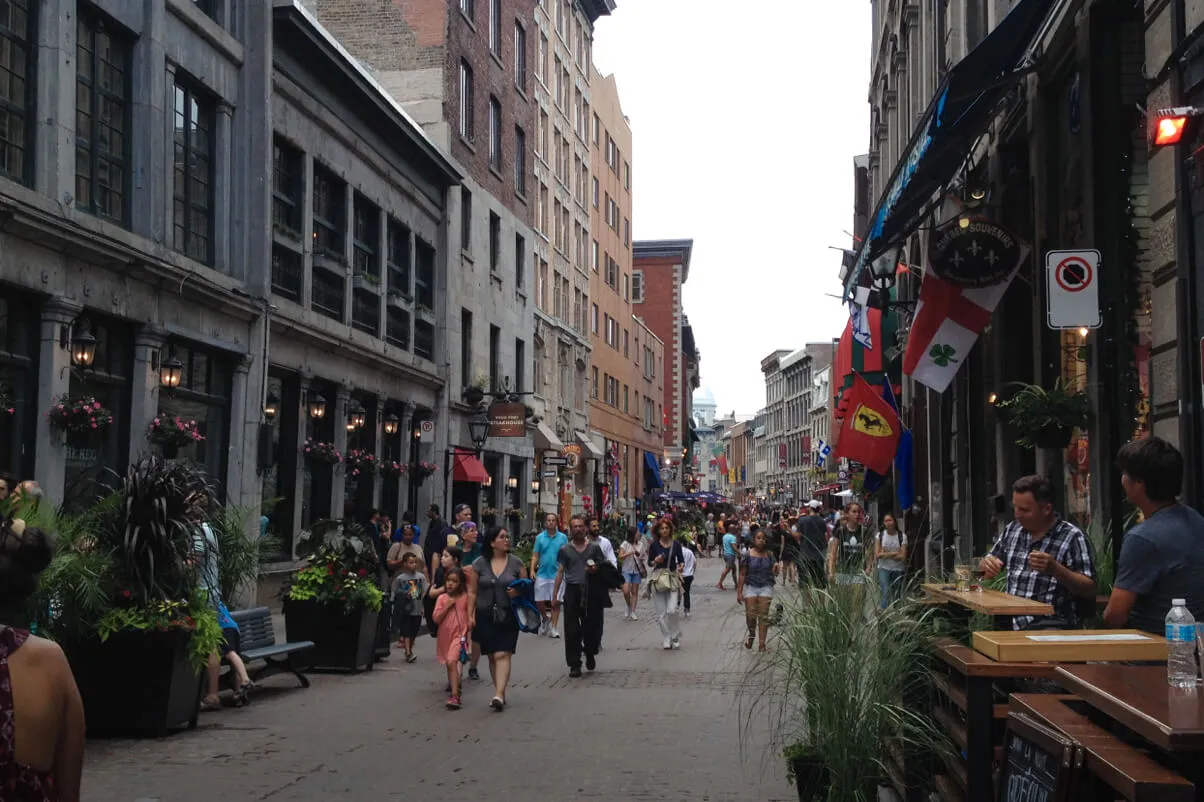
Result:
[
  {"x": 555, "y": 461},
  {"x": 1072, "y": 289}
]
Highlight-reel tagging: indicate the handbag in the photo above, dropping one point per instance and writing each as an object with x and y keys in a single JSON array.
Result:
[
  {"x": 463, "y": 650},
  {"x": 666, "y": 581}
]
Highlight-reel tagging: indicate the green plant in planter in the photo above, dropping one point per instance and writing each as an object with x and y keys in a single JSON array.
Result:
[
  {"x": 1038, "y": 413},
  {"x": 342, "y": 569},
  {"x": 834, "y": 689}
]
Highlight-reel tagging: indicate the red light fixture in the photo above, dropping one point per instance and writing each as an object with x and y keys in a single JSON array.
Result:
[{"x": 1169, "y": 130}]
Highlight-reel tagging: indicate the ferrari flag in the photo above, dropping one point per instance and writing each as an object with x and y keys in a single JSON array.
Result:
[{"x": 870, "y": 431}]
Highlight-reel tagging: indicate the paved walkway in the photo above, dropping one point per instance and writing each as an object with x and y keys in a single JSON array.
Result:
[{"x": 649, "y": 724}]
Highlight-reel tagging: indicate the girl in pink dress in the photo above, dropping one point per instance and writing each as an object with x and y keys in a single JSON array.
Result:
[{"x": 454, "y": 623}]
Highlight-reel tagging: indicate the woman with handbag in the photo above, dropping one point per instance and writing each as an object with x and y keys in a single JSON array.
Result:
[
  {"x": 666, "y": 559},
  {"x": 495, "y": 629},
  {"x": 632, "y": 560},
  {"x": 754, "y": 587}
]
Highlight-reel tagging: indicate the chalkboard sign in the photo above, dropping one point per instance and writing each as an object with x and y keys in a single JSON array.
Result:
[{"x": 1037, "y": 762}]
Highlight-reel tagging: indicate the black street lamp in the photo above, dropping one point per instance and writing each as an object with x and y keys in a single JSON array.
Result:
[
  {"x": 271, "y": 406},
  {"x": 173, "y": 372},
  {"x": 391, "y": 423},
  {"x": 83, "y": 346},
  {"x": 357, "y": 417},
  {"x": 317, "y": 406},
  {"x": 478, "y": 430}
]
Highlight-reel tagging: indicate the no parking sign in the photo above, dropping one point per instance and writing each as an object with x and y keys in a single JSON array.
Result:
[{"x": 1072, "y": 289}]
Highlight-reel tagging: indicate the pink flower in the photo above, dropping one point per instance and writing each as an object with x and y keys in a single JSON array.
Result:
[
  {"x": 95, "y": 405},
  {"x": 93, "y": 424}
]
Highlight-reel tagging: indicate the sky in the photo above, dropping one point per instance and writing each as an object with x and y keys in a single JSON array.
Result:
[{"x": 745, "y": 120}]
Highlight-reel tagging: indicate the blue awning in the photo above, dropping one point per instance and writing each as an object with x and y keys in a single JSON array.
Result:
[
  {"x": 960, "y": 112},
  {"x": 652, "y": 471}
]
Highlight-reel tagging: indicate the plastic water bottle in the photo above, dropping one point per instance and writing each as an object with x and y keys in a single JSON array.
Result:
[{"x": 1181, "y": 636}]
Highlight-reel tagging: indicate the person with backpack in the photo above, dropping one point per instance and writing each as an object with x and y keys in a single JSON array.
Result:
[{"x": 891, "y": 555}]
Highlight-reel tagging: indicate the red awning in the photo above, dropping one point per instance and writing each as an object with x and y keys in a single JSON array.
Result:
[{"x": 468, "y": 468}]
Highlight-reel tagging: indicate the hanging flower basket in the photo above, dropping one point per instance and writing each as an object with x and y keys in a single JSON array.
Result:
[
  {"x": 79, "y": 414},
  {"x": 421, "y": 470},
  {"x": 319, "y": 452},
  {"x": 392, "y": 469},
  {"x": 173, "y": 432},
  {"x": 360, "y": 462}
]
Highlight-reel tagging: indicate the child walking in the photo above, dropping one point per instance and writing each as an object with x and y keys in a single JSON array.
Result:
[
  {"x": 409, "y": 586},
  {"x": 451, "y": 617}
]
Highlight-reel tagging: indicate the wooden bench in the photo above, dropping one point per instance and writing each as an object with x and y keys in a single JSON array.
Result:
[{"x": 257, "y": 641}]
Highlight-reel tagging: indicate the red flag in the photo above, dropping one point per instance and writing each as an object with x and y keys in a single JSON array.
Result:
[{"x": 870, "y": 431}]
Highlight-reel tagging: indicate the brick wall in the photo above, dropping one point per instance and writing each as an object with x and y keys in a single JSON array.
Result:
[
  {"x": 661, "y": 310},
  {"x": 414, "y": 49}
]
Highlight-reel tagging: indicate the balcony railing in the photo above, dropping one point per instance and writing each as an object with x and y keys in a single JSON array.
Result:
[
  {"x": 365, "y": 312},
  {"x": 329, "y": 290},
  {"x": 287, "y": 273}
]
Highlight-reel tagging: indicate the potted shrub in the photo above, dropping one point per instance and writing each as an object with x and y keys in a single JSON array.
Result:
[
  {"x": 422, "y": 469},
  {"x": 360, "y": 462},
  {"x": 834, "y": 691},
  {"x": 1046, "y": 418},
  {"x": 393, "y": 469},
  {"x": 334, "y": 600},
  {"x": 170, "y": 434},
  {"x": 122, "y": 595},
  {"x": 319, "y": 453}
]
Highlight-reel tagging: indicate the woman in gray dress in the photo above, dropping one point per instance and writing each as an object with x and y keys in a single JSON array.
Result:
[{"x": 493, "y": 624}]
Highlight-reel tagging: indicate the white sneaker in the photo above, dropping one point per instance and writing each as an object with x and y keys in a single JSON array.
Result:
[
  {"x": 676, "y": 642},
  {"x": 687, "y": 613},
  {"x": 544, "y": 627},
  {"x": 627, "y": 616},
  {"x": 555, "y": 633},
  {"x": 635, "y": 617},
  {"x": 666, "y": 644}
]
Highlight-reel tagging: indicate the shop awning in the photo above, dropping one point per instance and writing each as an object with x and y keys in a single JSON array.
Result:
[
  {"x": 546, "y": 438},
  {"x": 960, "y": 112},
  {"x": 589, "y": 445},
  {"x": 467, "y": 468},
  {"x": 652, "y": 471}
]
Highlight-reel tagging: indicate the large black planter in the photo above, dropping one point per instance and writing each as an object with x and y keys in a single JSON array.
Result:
[
  {"x": 810, "y": 778},
  {"x": 137, "y": 683},
  {"x": 342, "y": 641},
  {"x": 384, "y": 622},
  {"x": 1055, "y": 437}
]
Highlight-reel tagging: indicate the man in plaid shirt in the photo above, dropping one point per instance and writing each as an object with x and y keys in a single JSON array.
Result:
[{"x": 1046, "y": 558}]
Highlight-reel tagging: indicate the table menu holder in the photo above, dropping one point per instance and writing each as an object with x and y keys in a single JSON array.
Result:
[{"x": 1038, "y": 762}]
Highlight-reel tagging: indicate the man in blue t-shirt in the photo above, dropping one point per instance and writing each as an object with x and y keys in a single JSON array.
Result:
[
  {"x": 729, "y": 552},
  {"x": 544, "y": 566},
  {"x": 1163, "y": 556}
]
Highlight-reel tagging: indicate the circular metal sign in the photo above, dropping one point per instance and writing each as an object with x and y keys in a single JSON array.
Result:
[{"x": 980, "y": 254}]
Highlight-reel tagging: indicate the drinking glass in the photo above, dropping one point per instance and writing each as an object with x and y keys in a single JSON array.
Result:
[
  {"x": 976, "y": 577},
  {"x": 1199, "y": 650},
  {"x": 963, "y": 577}
]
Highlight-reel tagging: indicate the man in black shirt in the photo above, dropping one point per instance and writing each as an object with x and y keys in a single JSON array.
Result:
[{"x": 813, "y": 548}]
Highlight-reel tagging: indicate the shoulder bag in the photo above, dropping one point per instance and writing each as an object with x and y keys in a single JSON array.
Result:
[{"x": 667, "y": 580}]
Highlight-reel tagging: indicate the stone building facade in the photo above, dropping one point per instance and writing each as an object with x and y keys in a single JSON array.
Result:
[
  {"x": 463, "y": 70},
  {"x": 771, "y": 464},
  {"x": 210, "y": 293}
]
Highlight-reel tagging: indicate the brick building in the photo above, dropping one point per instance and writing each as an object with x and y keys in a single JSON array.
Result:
[
  {"x": 660, "y": 269},
  {"x": 462, "y": 70},
  {"x": 625, "y": 382}
]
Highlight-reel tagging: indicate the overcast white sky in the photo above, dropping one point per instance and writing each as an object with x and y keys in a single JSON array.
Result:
[{"x": 746, "y": 118}]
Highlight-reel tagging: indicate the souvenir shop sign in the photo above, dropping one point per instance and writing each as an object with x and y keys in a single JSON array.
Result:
[{"x": 978, "y": 254}]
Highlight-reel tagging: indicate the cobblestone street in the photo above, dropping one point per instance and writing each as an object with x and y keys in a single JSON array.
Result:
[{"x": 649, "y": 724}]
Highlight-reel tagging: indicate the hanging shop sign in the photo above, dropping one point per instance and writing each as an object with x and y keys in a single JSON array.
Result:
[
  {"x": 1072, "y": 289},
  {"x": 507, "y": 419},
  {"x": 978, "y": 254},
  {"x": 572, "y": 452}
]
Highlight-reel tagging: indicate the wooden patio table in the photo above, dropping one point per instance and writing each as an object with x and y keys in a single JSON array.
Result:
[
  {"x": 991, "y": 602},
  {"x": 1139, "y": 698}
]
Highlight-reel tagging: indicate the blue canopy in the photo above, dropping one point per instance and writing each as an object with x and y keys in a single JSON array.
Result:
[
  {"x": 652, "y": 471},
  {"x": 960, "y": 112}
]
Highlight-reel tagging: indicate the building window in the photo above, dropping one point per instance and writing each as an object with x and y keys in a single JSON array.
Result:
[
  {"x": 595, "y": 192},
  {"x": 468, "y": 8},
  {"x": 520, "y": 161},
  {"x": 398, "y": 260},
  {"x": 203, "y": 396},
  {"x": 594, "y": 384},
  {"x": 330, "y": 221},
  {"x": 593, "y": 318},
  {"x": 626, "y": 343},
  {"x": 495, "y": 357},
  {"x": 397, "y": 328},
  {"x": 424, "y": 340},
  {"x": 287, "y": 194},
  {"x": 627, "y": 232},
  {"x": 520, "y": 365},
  {"x": 192, "y": 194},
  {"x": 541, "y": 64},
  {"x": 424, "y": 278},
  {"x": 559, "y": 74},
  {"x": 101, "y": 119},
  {"x": 542, "y": 139},
  {"x": 366, "y": 238},
  {"x": 466, "y": 100},
  {"x": 495, "y": 134},
  {"x": 627, "y": 176},
  {"x": 287, "y": 273},
  {"x": 637, "y": 286},
  {"x": 626, "y": 285},
  {"x": 495, "y": 27},
  {"x": 495, "y": 242},
  {"x": 612, "y": 273},
  {"x": 465, "y": 219},
  {"x": 17, "y": 89},
  {"x": 520, "y": 261},
  {"x": 466, "y": 377},
  {"x": 520, "y": 56},
  {"x": 593, "y": 258}
]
